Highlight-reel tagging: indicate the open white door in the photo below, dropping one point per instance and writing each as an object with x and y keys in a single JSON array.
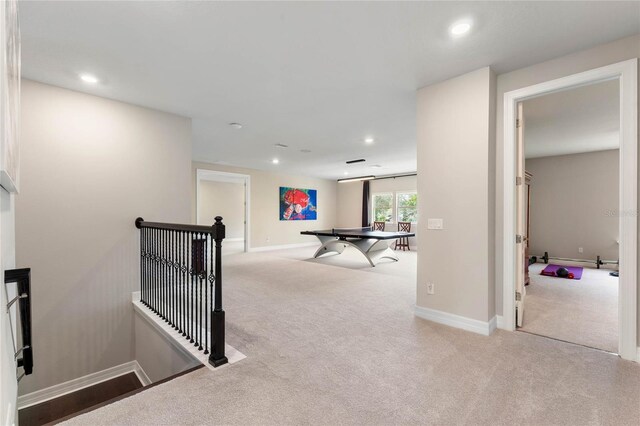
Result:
[{"x": 520, "y": 218}]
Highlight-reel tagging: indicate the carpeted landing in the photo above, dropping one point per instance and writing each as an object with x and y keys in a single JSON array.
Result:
[
  {"x": 581, "y": 311},
  {"x": 332, "y": 345}
]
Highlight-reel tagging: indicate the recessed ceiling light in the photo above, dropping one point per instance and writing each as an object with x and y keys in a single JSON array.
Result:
[
  {"x": 368, "y": 140},
  {"x": 275, "y": 161},
  {"x": 236, "y": 125},
  {"x": 346, "y": 173},
  {"x": 88, "y": 78},
  {"x": 460, "y": 28}
]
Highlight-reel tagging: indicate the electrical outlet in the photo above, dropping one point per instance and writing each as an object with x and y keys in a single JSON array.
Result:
[
  {"x": 431, "y": 288},
  {"x": 580, "y": 250}
]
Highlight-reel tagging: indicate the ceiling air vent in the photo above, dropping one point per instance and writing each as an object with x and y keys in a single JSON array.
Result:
[{"x": 360, "y": 160}]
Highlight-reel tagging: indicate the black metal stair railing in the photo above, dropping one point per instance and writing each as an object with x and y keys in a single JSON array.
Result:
[
  {"x": 22, "y": 278},
  {"x": 181, "y": 281}
]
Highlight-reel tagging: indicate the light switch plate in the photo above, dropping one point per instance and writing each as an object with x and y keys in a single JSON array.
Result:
[{"x": 435, "y": 224}]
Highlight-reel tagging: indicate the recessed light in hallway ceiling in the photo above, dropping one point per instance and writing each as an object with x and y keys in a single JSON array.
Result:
[
  {"x": 88, "y": 78},
  {"x": 460, "y": 28}
]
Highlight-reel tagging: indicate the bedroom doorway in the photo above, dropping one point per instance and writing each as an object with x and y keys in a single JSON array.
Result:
[
  {"x": 227, "y": 195},
  {"x": 570, "y": 150},
  {"x": 513, "y": 242}
]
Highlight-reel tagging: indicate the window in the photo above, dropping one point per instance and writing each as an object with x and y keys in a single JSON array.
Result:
[
  {"x": 391, "y": 207},
  {"x": 383, "y": 207},
  {"x": 407, "y": 207}
]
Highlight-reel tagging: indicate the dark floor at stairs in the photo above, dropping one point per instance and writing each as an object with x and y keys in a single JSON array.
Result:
[{"x": 58, "y": 408}]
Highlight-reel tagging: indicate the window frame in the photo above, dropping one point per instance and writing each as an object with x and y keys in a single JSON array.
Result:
[
  {"x": 413, "y": 192},
  {"x": 373, "y": 205},
  {"x": 394, "y": 205}
]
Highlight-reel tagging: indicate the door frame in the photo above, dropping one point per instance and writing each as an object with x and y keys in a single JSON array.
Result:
[
  {"x": 626, "y": 73},
  {"x": 216, "y": 176}
]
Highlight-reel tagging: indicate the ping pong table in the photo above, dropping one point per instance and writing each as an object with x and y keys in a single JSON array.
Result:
[{"x": 374, "y": 245}]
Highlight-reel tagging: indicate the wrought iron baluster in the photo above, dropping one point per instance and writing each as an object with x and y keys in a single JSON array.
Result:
[
  {"x": 187, "y": 276},
  {"x": 202, "y": 257},
  {"x": 156, "y": 273},
  {"x": 142, "y": 266},
  {"x": 174, "y": 293},
  {"x": 165, "y": 275},
  {"x": 146, "y": 265},
  {"x": 162, "y": 275},
  {"x": 159, "y": 272},
  {"x": 183, "y": 268},
  {"x": 161, "y": 268},
  {"x": 208, "y": 272},
  {"x": 190, "y": 298},
  {"x": 154, "y": 265},
  {"x": 197, "y": 280},
  {"x": 170, "y": 275},
  {"x": 147, "y": 271}
]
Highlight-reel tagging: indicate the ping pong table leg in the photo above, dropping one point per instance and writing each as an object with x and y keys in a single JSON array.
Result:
[
  {"x": 374, "y": 250},
  {"x": 330, "y": 245}
]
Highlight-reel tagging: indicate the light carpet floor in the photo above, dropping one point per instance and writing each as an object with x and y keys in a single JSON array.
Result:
[
  {"x": 582, "y": 311},
  {"x": 331, "y": 345}
]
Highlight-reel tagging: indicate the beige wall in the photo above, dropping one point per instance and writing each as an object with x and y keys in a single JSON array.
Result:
[
  {"x": 350, "y": 200},
  {"x": 454, "y": 120},
  {"x": 8, "y": 384},
  {"x": 596, "y": 57},
  {"x": 8, "y": 321},
  {"x": 224, "y": 199},
  {"x": 573, "y": 203},
  {"x": 90, "y": 166},
  {"x": 265, "y": 226}
]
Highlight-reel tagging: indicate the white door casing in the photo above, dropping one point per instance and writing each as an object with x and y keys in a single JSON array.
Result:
[
  {"x": 216, "y": 176},
  {"x": 521, "y": 290},
  {"x": 627, "y": 74}
]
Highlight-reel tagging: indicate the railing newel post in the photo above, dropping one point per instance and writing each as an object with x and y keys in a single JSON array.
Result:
[{"x": 217, "y": 356}]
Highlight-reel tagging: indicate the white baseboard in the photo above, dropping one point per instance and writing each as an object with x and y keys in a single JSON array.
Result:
[
  {"x": 283, "y": 247},
  {"x": 481, "y": 327},
  {"x": 493, "y": 324},
  {"x": 74, "y": 385},
  {"x": 142, "y": 376},
  {"x": 500, "y": 322}
]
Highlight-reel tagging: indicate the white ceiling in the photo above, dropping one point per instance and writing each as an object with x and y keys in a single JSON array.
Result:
[
  {"x": 318, "y": 76},
  {"x": 583, "y": 119}
]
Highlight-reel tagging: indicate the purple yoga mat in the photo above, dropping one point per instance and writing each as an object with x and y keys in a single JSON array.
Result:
[{"x": 551, "y": 269}]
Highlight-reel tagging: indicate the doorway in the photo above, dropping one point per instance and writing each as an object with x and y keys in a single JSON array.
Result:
[
  {"x": 625, "y": 73},
  {"x": 227, "y": 195},
  {"x": 570, "y": 142}
]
